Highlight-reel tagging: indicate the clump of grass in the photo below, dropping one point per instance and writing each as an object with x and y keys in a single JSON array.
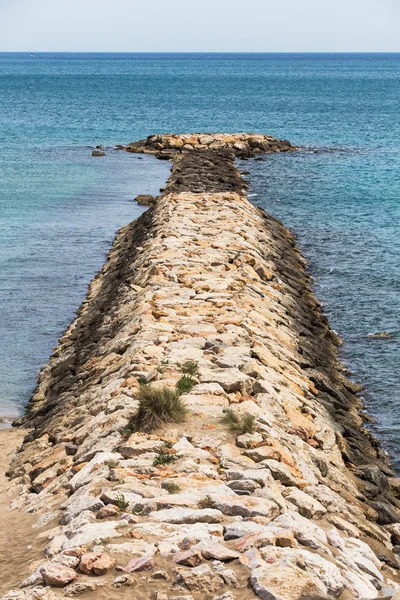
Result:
[
  {"x": 138, "y": 509},
  {"x": 164, "y": 457},
  {"x": 185, "y": 384},
  {"x": 190, "y": 367},
  {"x": 172, "y": 488},
  {"x": 164, "y": 365},
  {"x": 158, "y": 406},
  {"x": 239, "y": 424},
  {"x": 206, "y": 502},
  {"x": 129, "y": 428},
  {"x": 121, "y": 502}
]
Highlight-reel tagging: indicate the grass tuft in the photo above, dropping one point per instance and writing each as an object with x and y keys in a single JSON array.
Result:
[
  {"x": 206, "y": 502},
  {"x": 239, "y": 424},
  {"x": 121, "y": 502},
  {"x": 185, "y": 384},
  {"x": 190, "y": 367},
  {"x": 158, "y": 406},
  {"x": 164, "y": 456},
  {"x": 172, "y": 488},
  {"x": 129, "y": 428}
]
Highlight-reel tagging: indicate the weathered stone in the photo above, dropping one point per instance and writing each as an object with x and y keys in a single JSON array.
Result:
[
  {"x": 284, "y": 582},
  {"x": 82, "y": 587},
  {"x": 307, "y": 505},
  {"x": 247, "y": 507},
  {"x": 213, "y": 551},
  {"x": 145, "y": 563},
  {"x": 79, "y": 505},
  {"x": 190, "y": 558},
  {"x": 185, "y": 515},
  {"x": 231, "y": 380},
  {"x": 57, "y": 575},
  {"x": 201, "y": 579},
  {"x": 249, "y": 440},
  {"x": 103, "y": 565}
]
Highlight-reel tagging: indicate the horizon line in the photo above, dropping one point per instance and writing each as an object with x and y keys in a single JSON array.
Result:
[{"x": 199, "y": 51}]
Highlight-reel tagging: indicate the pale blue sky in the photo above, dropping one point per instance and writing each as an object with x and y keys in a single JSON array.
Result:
[{"x": 200, "y": 25}]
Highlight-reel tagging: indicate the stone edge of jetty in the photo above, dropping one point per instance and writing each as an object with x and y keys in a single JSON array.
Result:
[{"x": 300, "y": 503}]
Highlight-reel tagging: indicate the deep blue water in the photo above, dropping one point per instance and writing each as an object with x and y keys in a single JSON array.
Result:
[{"x": 59, "y": 207}]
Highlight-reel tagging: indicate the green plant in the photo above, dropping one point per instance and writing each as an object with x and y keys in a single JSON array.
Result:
[
  {"x": 172, "y": 488},
  {"x": 121, "y": 502},
  {"x": 185, "y": 384},
  {"x": 138, "y": 509},
  {"x": 206, "y": 502},
  {"x": 163, "y": 458},
  {"x": 190, "y": 367},
  {"x": 240, "y": 424},
  {"x": 164, "y": 365},
  {"x": 129, "y": 428},
  {"x": 158, "y": 406},
  {"x": 111, "y": 463}
]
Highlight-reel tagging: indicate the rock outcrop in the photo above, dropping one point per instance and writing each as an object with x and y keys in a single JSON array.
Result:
[{"x": 270, "y": 487}]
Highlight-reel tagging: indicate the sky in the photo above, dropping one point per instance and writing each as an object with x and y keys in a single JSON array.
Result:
[{"x": 200, "y": 25}]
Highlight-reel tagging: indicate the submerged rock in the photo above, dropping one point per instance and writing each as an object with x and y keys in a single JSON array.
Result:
[{"x": 145, "y": 200}]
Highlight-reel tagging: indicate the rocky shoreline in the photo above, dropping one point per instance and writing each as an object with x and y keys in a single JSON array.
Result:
[{"x": 267, "y": 484}]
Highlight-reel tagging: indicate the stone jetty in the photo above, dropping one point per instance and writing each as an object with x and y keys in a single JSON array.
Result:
[
  {"x": 249, "y": 472},
  {"x": 243, "y": 145}
]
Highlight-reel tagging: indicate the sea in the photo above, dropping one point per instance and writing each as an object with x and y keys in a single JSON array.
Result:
[{"x": 339, "y": 193}]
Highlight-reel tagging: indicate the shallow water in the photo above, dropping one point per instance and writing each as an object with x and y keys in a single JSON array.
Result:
[{"x": 60, "y": 208}]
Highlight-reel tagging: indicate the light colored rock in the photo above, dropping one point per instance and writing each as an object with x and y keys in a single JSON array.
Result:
[
  {"x": 94, "y": 533},
  {"x": 184, "y": 515},
  {"x": 286, "y": 582},
  {"x": 231, "y": 380},
  {"x": 144, "y": 563},
  {"x": 281, "y": 472},
  {"x": 325, "y": 571},
  {"x": 249, "y": 440},
  {"x": 82, "y": 587},
  {"x": 57, "y": 575},
  {"x": 201, "y": 579},
  {"x": 82, "y": 503},
  {"x": 136, "y": 548},
  {"x": 214, "y": 551},
  {"x": 247, "y": 506},
  {"x": 307, "y": 505},
  {"x": 85, "y": 475}
]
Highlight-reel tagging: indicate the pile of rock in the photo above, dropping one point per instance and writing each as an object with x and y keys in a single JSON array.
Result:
[
  {"x": 298, "y": 503},
  {"x": 244, "y": 145}
]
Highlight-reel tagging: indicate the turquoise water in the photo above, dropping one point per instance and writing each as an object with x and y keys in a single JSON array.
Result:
[{"x": 59, "y": 207}]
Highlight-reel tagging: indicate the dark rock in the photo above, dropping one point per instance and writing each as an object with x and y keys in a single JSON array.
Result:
[
  {"x": 386, "y": 513},
  {"x": 374, "y": 475},
  {"x": 71, "y": 449},
  {"x": 145, "y": 200}
]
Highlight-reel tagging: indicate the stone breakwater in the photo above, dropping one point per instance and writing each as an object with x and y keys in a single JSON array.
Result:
[
  {"x": 243, "y": 145},
  {"x": 299, "y": 503}
]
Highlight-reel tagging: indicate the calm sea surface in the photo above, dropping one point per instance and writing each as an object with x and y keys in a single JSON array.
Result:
[{"x": 60, "y": 208}]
